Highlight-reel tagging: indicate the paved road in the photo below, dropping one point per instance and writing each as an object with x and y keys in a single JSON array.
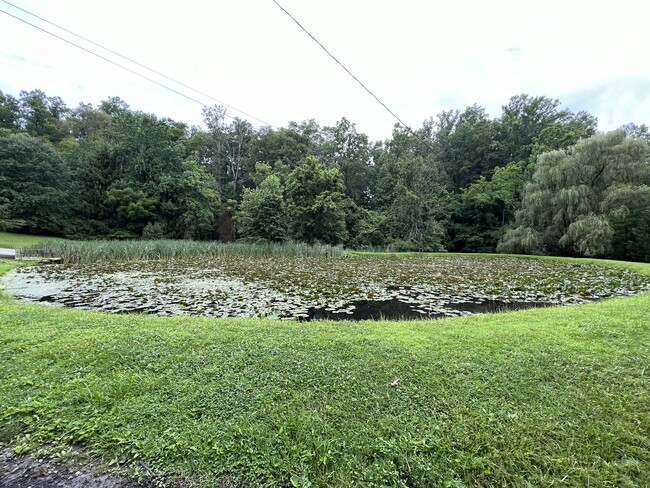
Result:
[{"x": 7, "y": 253}]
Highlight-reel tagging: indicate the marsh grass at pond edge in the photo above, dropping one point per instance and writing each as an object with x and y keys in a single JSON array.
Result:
[{"x": 75, "y": 252}]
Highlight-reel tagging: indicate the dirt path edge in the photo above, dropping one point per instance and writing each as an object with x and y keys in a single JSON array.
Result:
[{"x": 29, "y": 472}]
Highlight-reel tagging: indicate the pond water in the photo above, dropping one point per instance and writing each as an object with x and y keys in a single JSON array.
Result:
[
  {"x": 307, "y": 288},
  {"x": 398, "y": 310}
]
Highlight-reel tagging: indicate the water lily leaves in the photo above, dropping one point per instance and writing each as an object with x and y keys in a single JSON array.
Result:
[{"x": 344, "y": 287}]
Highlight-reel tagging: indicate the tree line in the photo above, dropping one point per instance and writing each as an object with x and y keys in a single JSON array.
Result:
[{"x": 537, "y": 179}]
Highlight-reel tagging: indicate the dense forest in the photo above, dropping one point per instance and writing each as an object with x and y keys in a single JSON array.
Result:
[{"x": 537, "y": 179}]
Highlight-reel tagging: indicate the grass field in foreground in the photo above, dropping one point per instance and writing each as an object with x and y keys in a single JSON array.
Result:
[{"x": 556, "y": 396}]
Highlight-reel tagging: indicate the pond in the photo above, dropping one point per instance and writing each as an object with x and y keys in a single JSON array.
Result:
[{"x": 305, "y": 288}]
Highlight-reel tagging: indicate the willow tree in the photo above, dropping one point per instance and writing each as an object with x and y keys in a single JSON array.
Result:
[{"x": 577, "y": 194}]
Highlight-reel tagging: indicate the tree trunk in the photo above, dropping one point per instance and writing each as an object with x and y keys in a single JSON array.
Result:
[{"x": 503, "y": 222}]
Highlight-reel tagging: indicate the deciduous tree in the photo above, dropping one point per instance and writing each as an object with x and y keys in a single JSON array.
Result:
[
  {"x": 315, "y": 201},
  {"x": 487, "y": 206},
  {"x": 33, "y": 185},
  {"x": 43, "y": 116},
  {"x": 263, "y": 212},
  {"x": 9, "y": 112},
  {"x": 576, "y": 194},
  {"x": 349, "y": 150}
]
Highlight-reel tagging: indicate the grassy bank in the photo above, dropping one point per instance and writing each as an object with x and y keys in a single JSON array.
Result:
[
  {"x": 634, "y": 266},
  {"x": 544, "y": 397},
  {"x": 17, "y": 241}
]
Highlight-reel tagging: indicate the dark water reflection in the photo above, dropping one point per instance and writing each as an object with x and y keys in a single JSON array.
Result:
[{"x": 398, "y": 310}]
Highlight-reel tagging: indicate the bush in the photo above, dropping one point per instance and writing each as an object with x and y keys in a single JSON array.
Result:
[{"x": 153, "y": 231}]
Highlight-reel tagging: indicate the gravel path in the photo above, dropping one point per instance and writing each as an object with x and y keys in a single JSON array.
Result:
[{"x": 27, "y": 472}]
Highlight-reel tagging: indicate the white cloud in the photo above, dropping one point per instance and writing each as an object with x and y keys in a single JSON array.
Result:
[{"x": 419, "y": 57}]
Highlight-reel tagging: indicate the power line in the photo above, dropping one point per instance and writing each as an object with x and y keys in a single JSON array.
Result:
[
  {"x": 350, "y": 73},
  {"x": 127, "y": 59},
  {"x": 103, "y": 58}
]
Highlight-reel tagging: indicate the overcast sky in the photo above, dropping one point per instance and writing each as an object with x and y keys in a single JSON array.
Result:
[{"x": 418, "y": 56}]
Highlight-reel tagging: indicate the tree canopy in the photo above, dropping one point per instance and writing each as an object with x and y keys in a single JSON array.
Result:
[
  {"x": 537, "y": 178},
  {"x": 576, "y": 194}
]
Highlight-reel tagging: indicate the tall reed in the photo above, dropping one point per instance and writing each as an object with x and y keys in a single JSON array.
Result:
[{"x": 111, "y": 251}]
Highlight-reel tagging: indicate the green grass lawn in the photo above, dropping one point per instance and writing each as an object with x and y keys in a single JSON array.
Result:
[
  {"x": 545, "y": 397},
  {"x": 15, "y": 241}
]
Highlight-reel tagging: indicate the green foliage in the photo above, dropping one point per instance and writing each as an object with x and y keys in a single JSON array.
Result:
[
  {"x": 633, "y": 131},
  {"x": 93, "y": 168},
  {"x": 6, "y": 222},
  {"x": 113, "y": 106},
  {"x": 523, "y": 120},
  {"x": 631, "y": 239},
  {"x": 348, "y": 150},
  {"x": 140, "y": 250},
  {"x": 589, "y": 236},
  {"x": 418, "y": 200},
  {"x": 315, "y": 203},
  {"x": 522, "y": 240},
  {"x": 575, "y": 194},
  {"x": 33, "y": 184},
  {"x": 190, "y": 202},
  {"x": 87, "y": 122},
  {"x": 262, "y": 171},
  {"x": 464, "y": 145},
  {"x": 283, "y": 147},
  {"x": 145, "y": 148},
  {"x": 367, "y": 229},
  {"x": 153, "y": 231},
  {"x": 9, "y": 112},
  {"x": 263, "y": 212},
  {"x": 133, "y": 209},
  {"x": 454, "y": 183},
  {"x": 226, "y": 150},
  {"x": 561, "y": 135},
  {"x": 43, "y": 116},
  {"x": 488, "y": 206}
]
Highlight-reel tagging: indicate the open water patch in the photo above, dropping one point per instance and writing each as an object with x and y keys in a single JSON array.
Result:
[{"x": 395, "y": 309}]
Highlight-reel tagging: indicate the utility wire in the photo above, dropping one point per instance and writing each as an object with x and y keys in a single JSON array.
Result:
[
  {"x": 350, "y": 73},
  {"x": 127, "y": 59},
  {"x": 103, "y": 58}
]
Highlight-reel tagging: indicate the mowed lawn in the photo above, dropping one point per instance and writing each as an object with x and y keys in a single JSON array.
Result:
[
  {"x": 16, "y": 241},
  {"x": 545, "y": 397}
]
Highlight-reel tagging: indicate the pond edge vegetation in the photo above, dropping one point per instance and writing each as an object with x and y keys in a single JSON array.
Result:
[{"x": 76, "y": 252}]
